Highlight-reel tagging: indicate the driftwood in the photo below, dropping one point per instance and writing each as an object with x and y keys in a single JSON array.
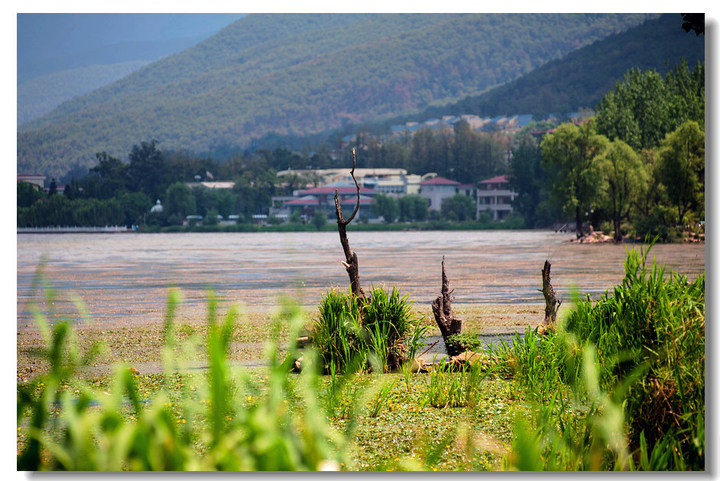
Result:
[
  {"x": 552, "y": 304},
  {"x": 444, "y": 315},
  {"x": 351, "y": 261}
]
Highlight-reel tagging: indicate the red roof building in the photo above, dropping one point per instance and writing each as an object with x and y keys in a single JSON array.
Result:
[
  {"x": 495, "y": 197},
  {"x": 437, "y": 189}
]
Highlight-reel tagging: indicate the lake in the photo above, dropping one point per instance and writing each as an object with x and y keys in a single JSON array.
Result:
[{"x": 124, "y": 278}]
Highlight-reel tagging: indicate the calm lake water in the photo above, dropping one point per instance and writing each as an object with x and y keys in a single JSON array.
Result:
[{"x": 124, "y": 278}]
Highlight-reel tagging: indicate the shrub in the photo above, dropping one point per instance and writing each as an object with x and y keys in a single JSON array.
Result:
[{"x": 382, "y": 327}]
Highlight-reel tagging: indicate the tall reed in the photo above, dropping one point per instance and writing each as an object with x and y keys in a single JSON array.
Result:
[
  {"x": 631, "y": 364},
  {"x": 109, "y": 431}
]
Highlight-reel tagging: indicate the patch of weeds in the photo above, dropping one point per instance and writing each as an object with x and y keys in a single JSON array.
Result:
[{"x": 464, "y": 342}]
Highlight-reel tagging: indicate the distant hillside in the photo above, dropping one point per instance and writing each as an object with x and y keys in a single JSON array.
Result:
[
  {"x": 585, "y": 75},
  {"x": 40, "y": 95},
  {"x": 301, "y": 74}
]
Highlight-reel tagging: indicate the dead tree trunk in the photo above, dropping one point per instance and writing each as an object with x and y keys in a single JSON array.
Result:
[
  {"x": 351, "y": 261},
  {"x": 552, "y": 304},
  {"x": 444, "y": 315}
]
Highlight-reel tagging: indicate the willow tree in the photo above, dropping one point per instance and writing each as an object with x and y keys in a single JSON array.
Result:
[
  {"x": 625, "y": 181},
  {"x": 681, "y": 168},
  {"x": 571, "y": 153}
]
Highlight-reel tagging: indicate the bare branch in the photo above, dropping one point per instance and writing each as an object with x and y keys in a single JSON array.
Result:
[{"x": 338, "y": 209}]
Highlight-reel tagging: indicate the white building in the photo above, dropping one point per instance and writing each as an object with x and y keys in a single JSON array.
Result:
[{"x": 437, "y": 189}]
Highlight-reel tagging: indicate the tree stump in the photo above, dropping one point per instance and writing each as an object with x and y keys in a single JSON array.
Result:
[
  {"x": 351, "y": 261},
  {"x": 552, "y": 304},
  {"x": 444, "y": 315}
]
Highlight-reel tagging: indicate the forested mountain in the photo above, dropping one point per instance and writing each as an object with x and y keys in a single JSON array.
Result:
[
  {"x": 581, "y": 78},
  {"x": 61, "y": 56},
  {"x": 42, "y": 94},
  {"x": 301, "y": 74}
]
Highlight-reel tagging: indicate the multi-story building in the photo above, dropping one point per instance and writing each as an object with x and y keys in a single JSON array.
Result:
[{"x": 495, "y": 197}]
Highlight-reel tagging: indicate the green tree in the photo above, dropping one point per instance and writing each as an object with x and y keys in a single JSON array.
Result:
[
  {"x": 527, "y": 178},
  {"x": 637, "y": 111},
  {"x": 412, "y": 207},
  {"x": 625, "y": 181},
  {"x": 108, "y": 178},
  {"x": 570, "y": 153},
  {"x": 386, "y": 206},
  {"x": 319, "y": 219},
  {"x": 147, "y": 171},
  {"x": 52, "y": 190},
  {"x": 459, "y": 207},
  {"x": 211, "y": 217},
  {"x": 644, "y": 107},
  {"x": 255, "y": 187},
  {"x": 179, "y": 201},
  {"x": 295, "y": 217},
  {"x": 688, "y": 94},
  {"x": 226, "y": 202},
  {"x": 681, "y": 168},
  {"x": 27, "y": 194},
  {"x": 135, "y": 206}
]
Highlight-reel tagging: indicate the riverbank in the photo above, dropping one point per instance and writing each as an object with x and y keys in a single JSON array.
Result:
[{"x": 140, "y": 345}]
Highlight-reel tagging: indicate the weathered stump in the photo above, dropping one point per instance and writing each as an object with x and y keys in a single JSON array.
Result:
[
  {"x": 444, "y": 316},
  {"x": 552, "y": 304}
]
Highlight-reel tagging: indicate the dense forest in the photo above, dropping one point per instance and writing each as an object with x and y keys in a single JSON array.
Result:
[
  {"x": 40, "y": 94},
  {"x": 302, "y": 74},
  {"x": 637, "y": 167}
]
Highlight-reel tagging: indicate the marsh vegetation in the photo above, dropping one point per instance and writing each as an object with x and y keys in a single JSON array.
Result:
[{"x": 618, "y": 385}]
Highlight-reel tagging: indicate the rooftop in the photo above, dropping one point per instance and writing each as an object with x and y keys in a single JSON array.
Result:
[
  {"x": 439, "y": 181},
  {"x": 495, "y": 180}
]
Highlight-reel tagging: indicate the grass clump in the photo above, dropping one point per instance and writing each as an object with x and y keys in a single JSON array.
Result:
[
  {"x": 381, "y": 330},
  {"x": 650, "y": 336},
  {"x": 454, "y": 385}
]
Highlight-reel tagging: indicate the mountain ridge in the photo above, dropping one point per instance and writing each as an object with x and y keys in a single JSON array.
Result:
[{"x": 340, "y": 69}]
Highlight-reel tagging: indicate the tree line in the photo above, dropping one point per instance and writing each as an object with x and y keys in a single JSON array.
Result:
[{"x": 638, "y": 167}]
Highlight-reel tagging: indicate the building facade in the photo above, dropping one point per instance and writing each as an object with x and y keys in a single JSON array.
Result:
[
  {"x": 495, "y": 197},
  {"x": 437, "y": 189}
]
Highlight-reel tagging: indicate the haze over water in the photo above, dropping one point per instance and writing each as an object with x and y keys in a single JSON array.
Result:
[{"x": 124, "y": 278}]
